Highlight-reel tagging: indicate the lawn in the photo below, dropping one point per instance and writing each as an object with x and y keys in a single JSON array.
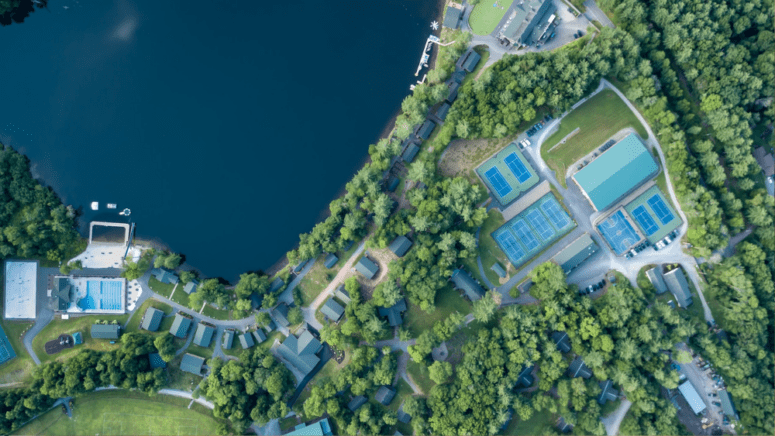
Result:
[
  {"x": 486, "y": 16},
  {"x": 533, "y": 426},
  {"x": 139, "y": 414},
  {"x": 489, "y": 250},
  {"x": 448, "y": 301},
  {"x": 178, "y": 379},
  {"x": 215, "y": 313},
  {"x": 69, "y": 326},
  {"x": 317, "y": 279},
  {"x": 484, "y": 52},
  {"x": 598, "y": 119},
  {"x": 164, "y": 289},
  {"x": 419, "y": 374},
  {"x": 403, "y": 391},
  {"x": 180, "y": 297},
  {"x": 166, "y": 323},
  {"x": 19, "y": 369}
]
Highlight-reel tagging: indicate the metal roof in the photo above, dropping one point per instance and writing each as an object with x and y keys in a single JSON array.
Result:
[
  {"x": 452, "y": 17},
  {"x": 301, "y": 352},
  {"x": 246, "y": 340},
  {"x": 280, "y": 313},
  {"x": 454, "y": 87},
  {"x": 608, "y": 393},
  {"x": 617, "y": 171},
  {"x": 692, "y": 397},
  {"x": 228, "y": 339},
  {"x": 190, "y": 287},
  {"x": 472, "y": 58},
  {"x": 400, "y": 245},
  {"x": 393, "y": 313},
  {"x": 465, "y": 282},
  {"x": 727, "y": 405},
  {"x": 367, "y": 267},
  {"x": 204, "y": 335},
  {"x": 105, "y": 331},
  {"x": 180, "y": 326},
  {"x": 443, "y": 110},
  {"x": 410, "y": 153},
  {"x": 655, "y": 277},
  {"x": 152, "y": 319},
  {"x": 332, "y": 310},
  {"x": 61, "y": 292},
  {"x": 156, "y": 361},
  {"x": 426, "y": 129},
  {"x": 164, "y": 275},
  {"x": 385, "y": 395},
  {"x": 259, "y": 335},
  {"x": 331, "y": 260},
  {"x": 192, "y": 364},
  {"x": 576, "y": 253},
  {"x": 342, "y": 294},
  {"x": 356, "y": 403},
  {"x": 676, "y": 283},
  {"x": 579, "y": 369},
  {"x": 562, "y": 341},
  {"x": 498, "y": 270}
]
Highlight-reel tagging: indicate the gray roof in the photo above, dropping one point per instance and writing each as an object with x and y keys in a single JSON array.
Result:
[
  {"x": 562, "y": 341},
  {"x": 393, "y": 313},
  {"x": 579, "y": 369},
  {"x": 727, "y": 405},
  {"x": 180, "y": 326},
  {"x": 246, "y": 340},
  {"x": 393, "y": 183},
  {"x": 152, "y": 319},
  {"x": 190, "y": 287},
  {"x": 301, "y": 352},
  {"x": 498, "y": 270},
  {"x": 576, "y": 253},
  {"x": 676, "y": 282},
  {"x": 385, "y": 395},
  {"x": 61, "y": 292},
  {"x": 452, "y": 17},
  {"x": 403, "y": 416},
  {"x": 692, "y": 397},
  {"x": 259, "y": 335},
  {"x": 454, "y": 87},
  {"x": 164, "y": 275},
  {"x": 332, "y": 310},
  {"x": 410, "y": 152},
  {"x": 105, "y": 331},
  {"x": 356, "y": 403},
  {"x": 470, "y": 61},
  {"x": 458, "y": 76},
  {"x": 280, "y": 313},
  {"x": 765, "y": 160},
  {"x": 192, "y": 364},
  {"x": 331, "y": 260},
  {"x": 466, "y": 283},
  {"x": 342, "y": 294},
  {"x": 276, "y": 285},
  {"x": 301, "y": 265},
  {"x": 528, "y": 14},
  {"x": 426, "y": 129},
  {"x": 443, "y": 111},
  {"x": 228, "y": 339},
  {"x": 255, "y": 300},
  {"x": 367, "y": 267},
  {"x": 525, "y": 377},
  {"x": 204, "y": 335},
  {"x": 655, "y": 277},
  {"x": 400, "y": 245},
  {"x": 608, "y": 393}
]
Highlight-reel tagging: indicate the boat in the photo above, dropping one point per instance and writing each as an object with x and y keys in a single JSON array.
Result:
[
  {"x": 111, "y": 205},
  {"x": 95, "y": 205}
]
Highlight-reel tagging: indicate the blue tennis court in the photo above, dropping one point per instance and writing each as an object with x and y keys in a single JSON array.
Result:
[
  {"x": 647, "y": 223},
  {"x": 556, "y": 215},
  {"x": 539, "y": 223},
  {"x": 510, "y": 246},
  {"x": 524, "y": 234},
  {"x": 6, "y": 350},
  {"x": 618, "y": 232},
  {"x": 659, "y": 208},
  {"x": 497, "y": 181},
  {"x": 517, "y": 167}
]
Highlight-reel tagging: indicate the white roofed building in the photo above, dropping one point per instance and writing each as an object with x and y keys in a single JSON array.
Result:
[{"x": 21, "y": 289}]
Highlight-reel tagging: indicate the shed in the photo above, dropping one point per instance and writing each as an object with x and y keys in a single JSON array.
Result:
[
  {"x": 356, "y": 403},
  {"x": 471, "y": 60},
  {"x": 400, "y": 246},
  {"x": 454, "y": 87},
  {"x": 105, "y": 331},
  {"x": 608, "y": 393},
  {"x": 676, "y": 283},
  {"x": 570, "y": 257},
  {"x": 332, "y": 310},
  {"x": 246, "y": 340},
  {"x": 204, "y": 335},
  {"x": 192, "y": 364},
  {"x": 498, "y": 270},
  {"x": 255, "y": 300},
  {"x": 190, "y": 287},
  {"x": 385, "y": 395},
  {"x": 367, "y": 267},
  {"x": 426, "y": 129},
  {"x": 525, "y": 377},
  {"x": 331, "y": 260},
  {"x": 180, "y": 326},
  {"x": 393, "y": 313},
  {"x": 562, "y": 341},
  {"x": 259, "y": 335},
  {"x": 655, "y": 277},
  {"x": 463, "y": 281},
  {"x": 77, "y": 338},
  {"x": 156, "y": 361},
  {"x": 228, "y": 339},
  {"x": 452, "y": 17},
  {"x": 727, "y": 405},
  {"x": 152, "y": 319},
  {"x": 393, "y": 183},
  {"x": 442, "y": 111},
  {"x": 410, "y": 152},
  {"x": 579, "y": 369},
  {"x": 342, "y": 294},
  {"x": 692, "y": 397}
]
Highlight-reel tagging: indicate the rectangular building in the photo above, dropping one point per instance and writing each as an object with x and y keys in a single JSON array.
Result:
[
  {"x": 576, "y": 253},
  {"x": 676, "y": 283},
  {"x": 692, "y": 397},
  {"x": 21, "y": 289}
]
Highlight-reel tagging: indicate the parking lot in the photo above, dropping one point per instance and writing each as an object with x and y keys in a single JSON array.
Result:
[{"x": 565, "y": 30}]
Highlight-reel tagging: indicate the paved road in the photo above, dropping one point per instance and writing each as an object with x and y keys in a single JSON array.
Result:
[
  {"x": 614, "y": 420},
  {"x": 594, "y": 13},
  {"x": 44, "y": 318}
]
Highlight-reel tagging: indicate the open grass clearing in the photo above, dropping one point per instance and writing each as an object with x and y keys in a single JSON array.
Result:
[
  {"x": 598, "y": 119},
  {"x": 139, "y": 414},
  {"x": 317, "y": 279},
  {"x": 403, "y": 391},
  {"x": 134, "y": 324},
  {"x": 531, "y": 427},
  {"x": 486, "y": 16},
  {"x": 69, "y": 326},
  {"x": 216, "y": 313},
  {"x": 420, "y": 375},
  {"x": 447, "y": 301},
  {"x": 18, "y": 369},
  {"x": 163, "y": 289}
]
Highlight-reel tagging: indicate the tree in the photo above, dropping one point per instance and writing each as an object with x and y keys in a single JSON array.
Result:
[
  {"x": 440, "y": 371},
  {"x": 387, "y": 293},
  {"x": 295, "y": 316},
  {"x": 263, "y": 319},
  {"x": 484, "y": 308},
  {"x": 165, "y": 345}
]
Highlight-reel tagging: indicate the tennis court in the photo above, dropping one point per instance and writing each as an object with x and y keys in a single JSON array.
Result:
[
  {"x": 6, "y": 350},
  {"x": 653, "y": 214},
  {"x": 660, "y": 208},
  {"x": 533, "y": 230},
  {"x": 618, "y": 232},
  {"x": 507, "y": 174},
  {"x": 644, "y": 220}
]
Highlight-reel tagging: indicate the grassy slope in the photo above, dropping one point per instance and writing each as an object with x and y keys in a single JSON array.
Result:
[
  {"x": 447, "y": 301},
  {"x": 20, "y": 368},
  {"x": 69, "y": 326}
]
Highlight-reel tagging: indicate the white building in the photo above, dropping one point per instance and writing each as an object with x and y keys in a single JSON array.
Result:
[{"x": 21, "y": 289}]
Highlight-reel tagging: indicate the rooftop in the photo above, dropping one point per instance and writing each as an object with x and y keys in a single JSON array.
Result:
[
  {"x": 332, "y": 310},
  {"x": 385, "y": 395},
  {"x": 192, "y": 364},
  {"x": 467, "y": 284},
  {"x": 655, "y": 277},
  {"x": 692, "y": 397},
  {"x": 452, "y": 17},
  {"x": 471, "y": 59},
  {"x": 204, "y": 335},
  {"x": 246, "y": 340},
  {"x": 190, "y": 287},
  {"x": 164, "y": 275},
  {"x": 579, "y": 369},
  {"x": 180, "y": 326},
  {"x": 393, "y": 313},
  {"x": 152, "y": 319},
  {"x": 301, "y": 352},
  {"x": 576, "y": 253},
  {"x": 400, "y": 245},
  {"x": 105, "y": 331},
  {"x": 676, "y": 283},
  {"x": 367, "y": 267},
  {"x": 21, "y": 289},
  {"x": 228, "y": 339},
  {"x": 330, "y": 261}
]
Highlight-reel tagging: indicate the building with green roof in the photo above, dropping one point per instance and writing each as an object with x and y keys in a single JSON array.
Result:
[
  {"x": 676, "y": 283},
  {"x": 727, "y": 405},
  {"x": 105, "y": 331},
  {"x": 331, "y": 260},
  {"x": 470, "y": 60},
  {"x": 228, "y": 339},
  {"x": 655, "y": 277},
  {"x": 617, "y": 172},
  {"x": 204, "y": 335},
  {"x": 180, "y": 326},
  {"x": 77, "y": 338},
  {"x": 246, "y": 341},
  {"x": 570, "y": 257},
  {"x": 452, "y": 17},
  {"x": 332, "y": 310},
  {"x": 152, "y": 319},
  {"x": 190, "y": 287},
  {"x": 192, "y": 364},
  {"x": 320, "y": 427},
  {"x": 400, "y": 246},
  {"x": 463, "y": 281},
  {"x": 526, "y": 17},
  {"x": 259, "y": 335},
  {"x": 498, "y": 269},
  {"x": 367, "y": 267},
  {"x": 301, "y": 352},
  {"x": 62, "y": 293}
]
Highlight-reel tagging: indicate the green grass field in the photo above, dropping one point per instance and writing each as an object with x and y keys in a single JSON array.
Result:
[
  {"x": 134, "y": 324},
  {"x": 485, "y": 17},
  {"x": 489, "y": 250},
  {"x": 214, "y": 312},
  {"x": 164, "y": 289},
  {"x": 420, "y": 376},
  {"x": 138, "y": 414},
  {"x": 69, "y": 326},
  {"x": 447, "y": 301},
  {"x": 19, "y": 369},
  {"x": 598, "y": 119},
  {"x": 530, "y": 427}
]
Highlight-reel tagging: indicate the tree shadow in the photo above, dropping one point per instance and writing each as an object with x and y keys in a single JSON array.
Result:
[{"x": 19, "y": 13}]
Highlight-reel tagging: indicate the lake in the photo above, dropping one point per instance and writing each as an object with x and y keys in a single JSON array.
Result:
[{"x": 225, "y": 126}]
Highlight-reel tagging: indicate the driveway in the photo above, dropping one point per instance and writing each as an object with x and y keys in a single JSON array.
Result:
[
  {"x": 614, "y": 420},
  {"x": 595, "y": 13},
  {"x": 45, "y": 316}
]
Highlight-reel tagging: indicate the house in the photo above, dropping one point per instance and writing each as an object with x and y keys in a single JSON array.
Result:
[
  {"x": 270, "y": 327},
  {"x": 152, "y": 319},
  {"x": 204, "y": 335},
  {"x": 527, "y": 16},
  {"x": 562, "y": 341},
  {"x": 280, "y": 313},
  {"x": 156, "y": 361},
  {"x": 180, "y": 326},
  {"x": 330, "y": 261},
  {"x": 165, "y": 276},
  {"x": 676, "y": 283},
  {"x": 655, "y": 277},
  {"x": 525, "y": 377},
  {"x": 259, "y": 335},
  {"x": 385, "y": 395},
  {"x": 367, "y": 267},
  {"x": 426, "y": 129},
  {"x": 766, "y": 161},
  {"x": 321, "y": 427},
  {"x": 458, "y": 76},
  {"x": 105, "y": 331},
  {"x": 727, "y": 405},
  {"x": 498, "y": 270},
  {"x": 393, "y": 183},
  {"x": 400, "y": 246},
  {"x": 228, "y": 339},
  {"x": 452, "y": 16},
  {"x": 297, "y": 269},
  {"x": 301, "y": 352},
  {"x": 403, "y": 416},
  {"x": 470, "y": 59},
  {"x": 579, "y": 369},
  {"x": 342, "y": 294},
  {"x": 692, "y": 397},
  {"x": 62, "y": 293},
  {"x": 467, "y": 284},
  {"x": 356, "y": 403},
  {"x": 192, "y": 364},
  {"x": 190, "y": 287},
  {"x": 246, "y": 340},
  {"x": 255, "y": 300},
  {"x": 454, "y": 87},
  {"x": 393, "y": 313},
  {"x": 608, "y": 392},
  {"x": 442, "y": 111},
  {"x": 563, "y": 426},
  {"x": 332, "y": 310},
  {"x": 410, "y": 152},
  {"x": 570, "y": 257}
]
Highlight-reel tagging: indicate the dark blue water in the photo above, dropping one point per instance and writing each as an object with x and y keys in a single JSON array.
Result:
[{"x": 226, "y": 126}]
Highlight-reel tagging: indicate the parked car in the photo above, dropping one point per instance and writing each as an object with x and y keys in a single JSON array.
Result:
[{"x": 527, "y": 142}]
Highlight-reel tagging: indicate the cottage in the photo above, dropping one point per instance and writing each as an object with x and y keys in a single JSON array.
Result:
[
  {"x": 525, "y": 377},
  {"x": 62, "y": 293},
  {"x": 280, "y": 314},
  {"x": 727, "y": 405},
  {"x": 403, "y": 416},
  {"x": 498, "y": 270},
  {"x": 367, "y": 267},
  {"x": 470, "y": 60},
  {"x": 330, "y": 261},
  {"x": 180, "y": 326},
  {"x": 156, "y": 361},
  {"x": 342, "y": 294},
  {"x": 676, "y": 283},
  {"x": 332, "y": 310},
  {"x": 458, "y": 76},
  {"x": 228, "y": 339},
  {"x": 301, "y": 352},
  {"x": 442, "y": 111},
  {"x": 655, "y": 277},
  {"x": 393, "y": 183},
  {"x": 190, "y": 287},
  {"x": 452, "y": 16},
  {"x": 204, "y": 335},
  {"x": 385, "y": 395},
  {"x": 463, "y": 281},
  {"x": 400, "y": 246},
  {"x": 259, "y": 335},
  {"x": 192, "y": 364},
  {"x": 246, "y": 341},
  {"x": 356, "y": 403},
  {"x": 765, "y": 160},
  {"x": 579, "y": 369},
  {"x": 562, "y": 341},
  {"x": 393, "y": 313},
  {"x": 165, "y": 276},
  {"x": 410, "y": 152},
  {"x": 454, "y": 87},
  {"x": 152, "y": 319},
  {"x": 608, "y": 393},
  {"x": 105, "y": 331},
  {"x": 426, "y": 129}
]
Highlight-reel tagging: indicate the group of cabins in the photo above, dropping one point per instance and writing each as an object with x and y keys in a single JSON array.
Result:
[
  {"x": 673, "y": 281},
  {"x": 163, "y": 275}
]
